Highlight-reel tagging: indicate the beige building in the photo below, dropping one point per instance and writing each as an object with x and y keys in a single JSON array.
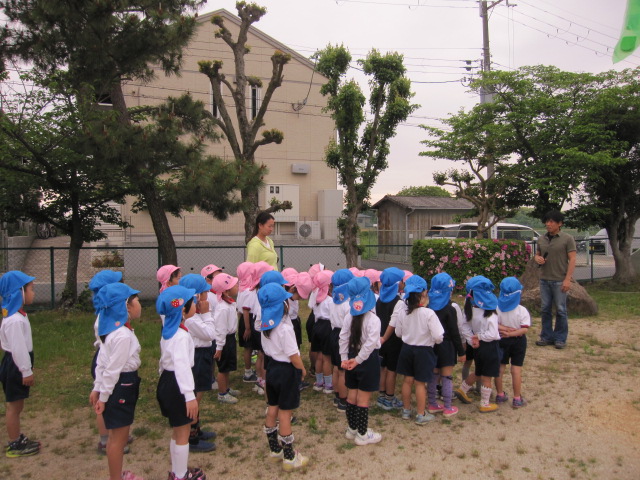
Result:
[{"x": 297, "y": 171}]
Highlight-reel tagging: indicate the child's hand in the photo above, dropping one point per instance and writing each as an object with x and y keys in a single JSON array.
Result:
[
  {"x": 304, "y": 372},
  {"x": 345, "y": 364},
  {"x": 99, "y": 407},
  {"x": 381, "y": 340},
  {"x": 203, "y": 306},
  {"x": 218, "y": 355},
  {"x": 192, "y": 409},
  {"x": 93, "y": 398},
  {"x": 475, "y": 343},
  {"x": 247, "y": 333},
  {"x": 28, "y": 381},
  {"x": 351, "y": 364},
  {"x": 462, "y": 358}
]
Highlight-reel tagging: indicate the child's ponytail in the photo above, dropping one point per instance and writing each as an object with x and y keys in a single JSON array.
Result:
[
  {"x": 413, "y": 302},
  {"x": 355, "y": 338},
  {"x": 468, "y": 307}
]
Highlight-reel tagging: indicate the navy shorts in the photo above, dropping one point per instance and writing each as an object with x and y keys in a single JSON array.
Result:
[
  {"x": 470, "y": 353},
  {"x": 417, "y": 362},
  {"x": 283, "y": 385},
  {"x": 228, "y": 361},
  {"x": 311, "y": 321},
  {"x": 366, "y": 376},
  {"x": 172, "y": 402},
  {"x": 487, "y": 358},
  {"x": 321, "y": 341},
  {"x": 446, "y": 355},
  {"x": 390, "y": 352},
  {"x": 334, "y": 338},
  {"x": 297, "y": 328},
  {"x": 256, "y": 339},
  {"x": 94, "y": 364},
  {"x": 241, "y": 341},
  {"x": 120, "y": 408},
  {"x": 203, "y": 368},
  {"x": 513, "y": 349},
  {"x": 11, "y": 379}
]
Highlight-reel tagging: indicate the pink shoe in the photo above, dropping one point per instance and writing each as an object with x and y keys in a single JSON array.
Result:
[
  {"x": 450, "y": 412},
  {"x": 437, "y": 408}
]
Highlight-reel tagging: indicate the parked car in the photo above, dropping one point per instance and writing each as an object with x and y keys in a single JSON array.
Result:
[{"x": 500, "y": 230}]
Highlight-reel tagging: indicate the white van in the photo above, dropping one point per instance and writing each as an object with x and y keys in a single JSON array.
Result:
[{"x": 510, "y": 231}]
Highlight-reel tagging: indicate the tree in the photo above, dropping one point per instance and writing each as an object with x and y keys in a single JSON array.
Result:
[
  {"x": 360, "y": 152},
  {"x": 241, "y": 131},
  {"x": 424, "y": 191}
]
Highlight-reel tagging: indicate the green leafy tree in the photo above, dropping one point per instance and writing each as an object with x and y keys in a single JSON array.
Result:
[
  {"x": 360, "y": 152},
  {"x": 239, "y": 129},
  {"x": 424, "y": 191}
]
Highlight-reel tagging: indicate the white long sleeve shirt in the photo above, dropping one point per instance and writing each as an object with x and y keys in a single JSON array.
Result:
[
  {"x": 369, "y": 341},
  {"x": 464, "y": 327},
  {"x": 281, "y": 344},
  {"x": 202, "y": 329},
  {"x": 176, "y": 355},
  {"x": 225, "y": 321},
  {"x": 420, "y": 328},
  {"x": 338, "y": 313},
  {"x": 486, "y": 328},
  {"x": 97, "y": 342},
  {"x": 322, "y": 310},
  {"x": 294, "y": 308},
  {"x": 119, "y": 353},
  {"x": 15, "y": 337}
]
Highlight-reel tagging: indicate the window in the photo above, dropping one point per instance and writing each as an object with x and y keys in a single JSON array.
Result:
[{"x": 256, "y": 100}]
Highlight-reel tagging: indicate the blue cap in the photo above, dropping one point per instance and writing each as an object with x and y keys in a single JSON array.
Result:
[
  {"x": 361, "y": 297},
  {"x": 195, "y": 282},
  {"x": 389, "y": 279},
  {"x": 482, "y": 292},
  {"x": 340, "y": 279},
  {"x": 11, "y": 285},
  {"x": 170, "y": 303},
  {"x": 440, "y": 294},
  {"x": 415, "y": 283},
  {"x": 340, "y": 293},
  {"x": 99, "y": 280},
  {"x": 272, "y": 276},
  {"x": 112, "y": 312},
  {"x": 271, "y": 298},
  {"x": 510, "y": 293}
]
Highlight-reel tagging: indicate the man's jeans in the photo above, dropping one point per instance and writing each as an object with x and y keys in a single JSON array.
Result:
[{"x": 551, "y": 294}]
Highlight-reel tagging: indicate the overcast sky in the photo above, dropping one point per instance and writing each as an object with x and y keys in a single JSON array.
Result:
[{"x": 436, "y": 38}]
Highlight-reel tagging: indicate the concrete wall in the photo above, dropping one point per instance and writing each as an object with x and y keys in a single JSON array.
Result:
[{"x": 16, "y": 258}]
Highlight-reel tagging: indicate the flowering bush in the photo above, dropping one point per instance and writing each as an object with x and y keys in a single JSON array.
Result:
[{"x": 465, "y": 258}]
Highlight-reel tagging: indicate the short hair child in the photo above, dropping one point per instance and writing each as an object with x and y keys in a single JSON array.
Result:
[
  {"x": 16, "y": 369},
  {"x": 339, "y": 309},
  {"x": 168, "y": 276},
  {"x": 175, "y": 392},
  {"x": 244, "y": 303},
  {"x": 320, "y": 340},
  {"x": 117, "y": 384},
  {"x": 513, "y": 324}
]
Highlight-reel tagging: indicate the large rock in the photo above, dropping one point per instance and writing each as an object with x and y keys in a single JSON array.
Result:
[{"x": 579, "y": 302}]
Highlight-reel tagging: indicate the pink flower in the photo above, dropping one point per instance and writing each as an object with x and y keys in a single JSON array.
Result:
[
  {"x": 422, "y": 263},
  {"x": 477, "y": 245},
  {"x": 432, "y": 257},
  {"x": 487, "y": 268},
  {"x": 430, "y": 250},
  {"x": 492, "y": 266},
  {"x": 504, "y": 247},
  {"x": 455, "y": 259},
  {"x": 444, "y": 259}
]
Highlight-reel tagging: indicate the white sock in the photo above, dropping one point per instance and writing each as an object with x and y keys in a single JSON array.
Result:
[
  {"x": 465, "y": 387},
  {"x": 485, "y": 395},
  {"x": 182, "y": 458},
  {"x": 172, "y": 453}
]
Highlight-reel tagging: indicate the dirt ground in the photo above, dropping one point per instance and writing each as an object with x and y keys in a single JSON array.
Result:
[{"x": 582, "y": 421}]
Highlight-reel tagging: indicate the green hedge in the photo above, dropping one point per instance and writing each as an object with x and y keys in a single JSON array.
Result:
[{"x": 465, "y": 258}]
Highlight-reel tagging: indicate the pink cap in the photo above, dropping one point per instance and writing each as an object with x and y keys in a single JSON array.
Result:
[
  {"x": 164, "y": 274},
  {"x": 373, "y": 275},
  {"x": 221, "y": 283},
  {"x": 407, "y": 274},
  {"x": 259, "y": 269},
  {"x": 322, "y": 281},
  {"x": 290, "y": 275},
  {"x": 356, "y": 272},
  {"x": 313, "y": 271},
  {"x": 209, "y": 269},
  {"x": 245, "y": 272},
  {"x": 304, "y": 284}
]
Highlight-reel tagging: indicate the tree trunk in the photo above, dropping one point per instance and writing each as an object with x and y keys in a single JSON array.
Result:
[
  {"x": 621, "y": 249},
  {"x": 166, "y": 243},
  {"x": 350, "y": 236},
  {"x": 70, "y": 292},
  {"x": 250, "y": 212}
]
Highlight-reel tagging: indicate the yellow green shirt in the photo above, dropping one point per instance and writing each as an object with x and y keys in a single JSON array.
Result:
[{"x": 257, "y": 251}]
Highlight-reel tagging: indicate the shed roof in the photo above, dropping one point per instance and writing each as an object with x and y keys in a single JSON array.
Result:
[{"x": 426, "y": 203}]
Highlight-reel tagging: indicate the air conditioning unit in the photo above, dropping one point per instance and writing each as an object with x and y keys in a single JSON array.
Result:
[{"x": 308, "y": 230}]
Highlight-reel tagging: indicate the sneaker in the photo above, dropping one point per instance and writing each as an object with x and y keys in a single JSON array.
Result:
[
  {"x": 336, "y": 400},
  {"x": 368, "y": 438},
  {"x": 200, "y": 446},
  {"x": 22, "y": 447},
  {"x": 544, "y": 343},
  {"x": 250, "y": 378},
  {"x": 227, "y": 398},
  {"x": 127, "y": 475},
  {"x": 424, "y": 419},
  {"x": 384, "y": 403},
  {"x": 102, "y": 449},
  {"x": 304, "y": 385},
  {"x": 492, "y": 407},
  {"x": 406, "y": 414},
  {"x": 350, "y": 434},
  {"x": 261, "y": 383},
  {"x": 214, "y": 385},
  {"x": 204, "y": 435},
  {"x": 276, "y": 456},
  {"x": 341, "y": 406},
  {"x": 396, "y": 402},
  {"x": 501, "y": 398},
  {"x": 450, "y": 412},
  {"x": 518, "y": 402},
  {"x": 437, "y": 408},
  {"x": 327, "y": 390},
  {"x": 462, "y": 396},
  {"x": 232, "y": 392},
  {"x": 192, "y": 474},
  {"x": 260, "y": 391},
  {"x": 560, "y": 345},
  {"x": 299, "y": 461},
  {"x": 318, "y": 387}
]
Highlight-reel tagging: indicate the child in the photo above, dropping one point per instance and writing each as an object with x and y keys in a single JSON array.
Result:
[
  {"x": 284, "y": 373},
  {"x": 16, "y": 370},
  {"x": 176, "y": 387},
  {"x": 513, "y": 324},
  {"x": 321, "y": 341},
  {"x": 167, "y": 276},
  {"x": 386, "y": 305},
  {"x": 359, "y": 344},
  {"x": 226, "y": 321},
  {"x": 99, "y": 280},
  {"x": 374, "y": 277},
  {"x": 420, "y": 330},
  {"x": 339, "y": 309},
  {"x": 440, "y": 302},
  {"x": 479, "y": 309},
  {"x": 209, "y": 272},
  {"x": 311, "y": 319},
  {"x": 246, "y": 301},
  {"x": 203, "y": 332},
  {"x": 290, "y": 275},
  {"x": 259, "y": 270},
  {"x": 117, "y": 385}
]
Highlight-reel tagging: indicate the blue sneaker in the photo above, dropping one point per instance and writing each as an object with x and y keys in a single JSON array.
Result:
[
  {"x": 406, "y": 414},
  {"x": 384, "y": 403},
  {"x": 424, "y": 419},
  {"x": 396, "y": 403}
]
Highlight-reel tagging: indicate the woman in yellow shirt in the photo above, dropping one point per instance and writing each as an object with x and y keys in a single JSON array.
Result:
[{"x": 260, "y": 247}]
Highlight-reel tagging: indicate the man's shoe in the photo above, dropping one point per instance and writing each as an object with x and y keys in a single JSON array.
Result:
[
  {"x": 560, "y": 345},
  {"x": 544, "y": 343}
]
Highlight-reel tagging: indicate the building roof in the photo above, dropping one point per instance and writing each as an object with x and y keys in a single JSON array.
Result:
[
  {"x": 228, "y": 16},
  {"x": 426, "y": 203}
]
